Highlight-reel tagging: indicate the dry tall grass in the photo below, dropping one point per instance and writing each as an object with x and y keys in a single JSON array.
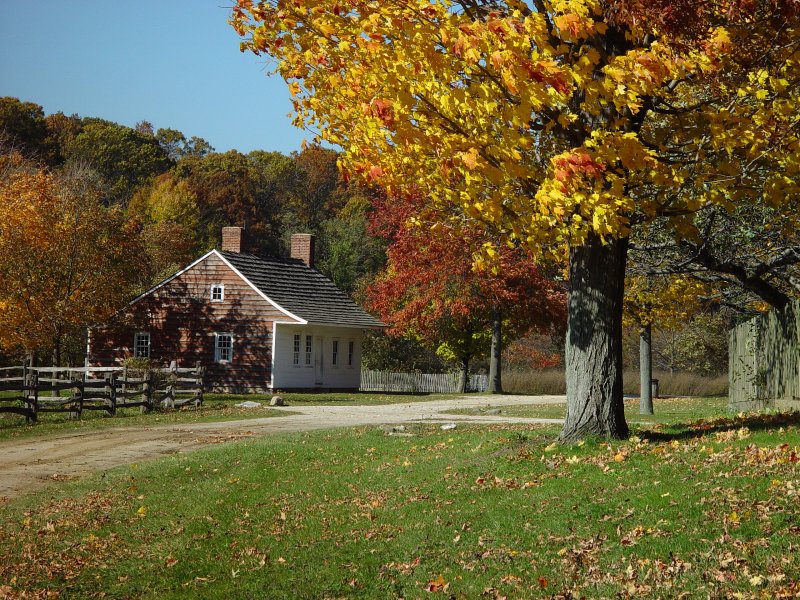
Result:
[{"x": 551, "y": 381}]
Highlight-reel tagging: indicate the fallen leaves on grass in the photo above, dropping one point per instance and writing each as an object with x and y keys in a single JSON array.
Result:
[
  {"x": 494, "y": 482},
  {"x": 43, "y": 559},
  {"x": 437, "y": 585}
]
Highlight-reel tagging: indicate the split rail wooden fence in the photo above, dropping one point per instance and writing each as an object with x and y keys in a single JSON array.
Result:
[{"x": 30, "y": 391}]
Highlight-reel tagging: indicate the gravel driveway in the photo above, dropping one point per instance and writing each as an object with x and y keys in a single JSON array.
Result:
[{"x": 31, "y": 463}]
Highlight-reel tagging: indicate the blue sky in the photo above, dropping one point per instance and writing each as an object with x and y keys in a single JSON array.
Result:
[{"x": 175, "y": 63}]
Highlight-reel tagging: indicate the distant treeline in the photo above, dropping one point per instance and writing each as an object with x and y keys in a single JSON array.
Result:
[{"x": 180, "y": 192}]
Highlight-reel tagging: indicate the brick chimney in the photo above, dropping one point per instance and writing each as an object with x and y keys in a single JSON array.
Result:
[
  {"x": 233, "y": 239},
  {"x": 303, "y": 247}
]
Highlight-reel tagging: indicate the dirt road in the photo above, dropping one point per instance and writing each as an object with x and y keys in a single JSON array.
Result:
[{"x": 31, "y": 463}]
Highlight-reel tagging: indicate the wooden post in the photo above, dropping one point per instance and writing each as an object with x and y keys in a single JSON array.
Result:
[
  {"x": 77, "y": 393},
  {"x": 147, "y": 392},
  {"x": 169, "y": 401},
  {"x": 54, "y": 377},
  {"x": 199, "y": 382},
  {"x": 111, "y": 392},
  {"x": 34, "y": 390},
  {"x": 124, "y": 386}
]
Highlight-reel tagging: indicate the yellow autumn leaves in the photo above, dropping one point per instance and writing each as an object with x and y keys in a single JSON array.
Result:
[
  {"x": 481, "y": 111},
  {"x": 665, "y": 302}
]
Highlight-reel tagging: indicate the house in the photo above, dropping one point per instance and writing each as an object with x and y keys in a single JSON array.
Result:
[{"x": 257, "y": 324}]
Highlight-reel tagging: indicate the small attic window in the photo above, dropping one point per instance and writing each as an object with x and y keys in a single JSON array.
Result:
[{"x": 217, "y": 292}]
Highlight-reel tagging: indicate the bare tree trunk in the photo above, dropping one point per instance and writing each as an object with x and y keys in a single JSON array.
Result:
[
  {"x": 645, "y": 371},
  {"x": 594, "y": 341},
  {"x": 495, "y": 365},
  {"x": 57, "y": 351},
  {"x": 463, "y": 378},
  {"x": 465, "y": 357}
]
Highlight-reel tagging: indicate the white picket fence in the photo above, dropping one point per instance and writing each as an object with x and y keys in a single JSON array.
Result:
[{"x": 426, "y": 383}]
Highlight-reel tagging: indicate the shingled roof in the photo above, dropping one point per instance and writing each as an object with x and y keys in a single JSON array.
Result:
[{"x": 300, "y": 290}]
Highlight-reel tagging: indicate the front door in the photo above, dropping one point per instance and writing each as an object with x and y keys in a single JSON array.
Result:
[{"x": 319, "y": 365}]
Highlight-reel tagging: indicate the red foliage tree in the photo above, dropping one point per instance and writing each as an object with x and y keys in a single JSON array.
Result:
[{"x": 430, "y": 290}]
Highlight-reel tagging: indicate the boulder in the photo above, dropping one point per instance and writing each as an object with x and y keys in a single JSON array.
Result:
[{"x": 248, "y": 404}]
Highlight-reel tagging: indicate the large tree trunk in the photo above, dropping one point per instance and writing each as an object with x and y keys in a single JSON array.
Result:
[
  {"x": 645, "y": 371},
  {"x": 495, "y": 367},
  {"x": 594, "y": 341}
]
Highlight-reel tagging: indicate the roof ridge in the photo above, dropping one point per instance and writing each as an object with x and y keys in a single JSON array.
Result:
[{"x": 285, "y": 259}]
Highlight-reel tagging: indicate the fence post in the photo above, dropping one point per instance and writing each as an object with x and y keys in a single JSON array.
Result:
[
  {"x": 199, "y": 381},
  {"x": 111, "y": 391},
  {"x": 169, "y": 401},
  {"x": 123, "y": 386},
  {"x": 34, "y": 390},
  {"x": 148, "y": 392},
  {"x": 77, "y": 394}
]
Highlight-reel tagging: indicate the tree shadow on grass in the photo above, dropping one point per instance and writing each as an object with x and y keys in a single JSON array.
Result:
[{"x": 697, "y": 429}]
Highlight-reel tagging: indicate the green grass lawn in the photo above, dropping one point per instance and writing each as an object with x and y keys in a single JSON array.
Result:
[
  {"x": 709, "y": 510},
  {"x": 667, "y": 410}
]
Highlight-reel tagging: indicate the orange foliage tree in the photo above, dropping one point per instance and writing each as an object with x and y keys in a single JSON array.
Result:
[{"x": 66, "y": 261}]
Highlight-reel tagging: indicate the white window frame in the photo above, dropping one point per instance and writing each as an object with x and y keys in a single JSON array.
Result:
[
  {"x": 218, "y": 348},
  {"x": 221, "y": 288},
  {"x": 141, "y": 335},
  {"x": 351, "y": 353},
  {"x": 309, "y": 351},
  {"x": 296, "y": 350},
  {"x": 335, "y": 354}
]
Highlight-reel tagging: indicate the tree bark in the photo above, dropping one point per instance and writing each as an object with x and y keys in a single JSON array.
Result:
[
  {"x": 495, "y": 365},
  {"x": 645, "y": 371},
  {"x": 464, "y": 376},
  {"x": 56, "y": 358},
  {"x": 594, "y": 341}
]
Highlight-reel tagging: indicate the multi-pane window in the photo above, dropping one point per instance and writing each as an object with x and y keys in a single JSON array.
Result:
[
  {"x": 351, "y": 346},
  {"x": 141, "y": 345},
  {"x": 223, "y": 347},
  {"x": 296, "y": 350},
  {"x": 217, "y": 292},
  {"x": 309, "y": 349},
  {"x": 335, "y": 353}
]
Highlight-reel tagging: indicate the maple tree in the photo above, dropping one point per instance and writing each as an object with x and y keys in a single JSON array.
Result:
[
  {"x": 431, "y": 292},
  {"x": 563, "y": 123},
  {"x": 66, "y": 261}
]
